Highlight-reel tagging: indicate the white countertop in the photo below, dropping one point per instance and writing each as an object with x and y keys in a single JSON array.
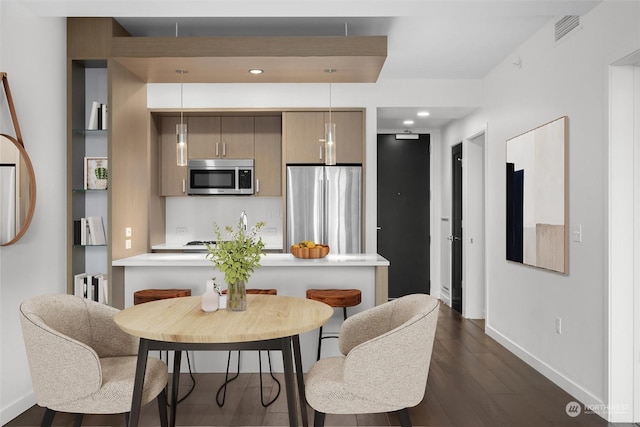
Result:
[{"x": 268, "y": 260}]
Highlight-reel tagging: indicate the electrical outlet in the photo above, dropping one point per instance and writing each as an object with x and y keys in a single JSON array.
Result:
[
  {"x": 181, "y": 230},
  {"x": 127, "y": 232},
  {"x": 127, "y": 244},
  {"x": 558, "y": 325},
  {"x": 576, "y": 233}
]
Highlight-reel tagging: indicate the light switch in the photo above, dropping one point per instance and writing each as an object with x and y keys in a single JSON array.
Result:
[
  {"x": 576, "y": 233},
  {"x": 127, "y": 244}
]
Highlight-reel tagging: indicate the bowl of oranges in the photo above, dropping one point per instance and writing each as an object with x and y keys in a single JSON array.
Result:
[{"x": 309, "y": 249}]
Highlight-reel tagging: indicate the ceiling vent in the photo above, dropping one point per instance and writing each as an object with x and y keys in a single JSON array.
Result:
[{"x": 567, "y": 25}]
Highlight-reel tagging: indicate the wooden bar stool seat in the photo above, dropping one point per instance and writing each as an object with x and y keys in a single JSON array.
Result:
[
  {"x": 148, "y": 295},
  {"x": 336, "y": 298},
  {"x": 222, "y": 391}
]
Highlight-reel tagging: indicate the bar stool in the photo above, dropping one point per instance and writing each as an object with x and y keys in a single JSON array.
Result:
[
  {"x": 336, "y": 298},
  {"x": 227, "y": 380},
  {"x": 148, "y": 295}
]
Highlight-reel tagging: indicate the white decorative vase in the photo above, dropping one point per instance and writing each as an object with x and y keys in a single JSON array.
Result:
[{"x": 210, "y": 298}]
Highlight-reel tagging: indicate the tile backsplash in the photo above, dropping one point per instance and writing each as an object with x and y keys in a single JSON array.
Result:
[{"x": 192, "y": 218}]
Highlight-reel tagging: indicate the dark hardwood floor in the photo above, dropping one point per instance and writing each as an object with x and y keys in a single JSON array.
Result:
[{"x": 473, "y": 381}]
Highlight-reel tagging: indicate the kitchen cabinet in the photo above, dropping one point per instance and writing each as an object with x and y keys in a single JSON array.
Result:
[
  {"x": 218, "y": 137},
  {"x": 349, "y": 136},
  {"x": 268, "y": 156},
  {"x": 204, "y": 136},
  {"x": 304, "y": 136},
  {"x": 236, "y": 138}
]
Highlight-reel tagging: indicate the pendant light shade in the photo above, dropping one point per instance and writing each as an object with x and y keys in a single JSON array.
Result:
[
  {"x": 181, "y": 130},
  {"x": 330, "y": 133},
  {"x": 330, "y": 143}
]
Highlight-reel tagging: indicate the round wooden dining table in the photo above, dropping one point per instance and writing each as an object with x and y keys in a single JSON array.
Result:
[{"x": 270, "y": 322}]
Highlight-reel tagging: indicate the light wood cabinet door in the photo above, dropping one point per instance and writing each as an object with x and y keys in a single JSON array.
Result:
[
  {"x": 173, "y": 179},
  {"x": 268, "y": 156},
  {"x": 349, "y": 136},
  {"x": 204, "y": 137},
  {"x": 237, "y": 138},
  {"x": 303, "y": 132}
]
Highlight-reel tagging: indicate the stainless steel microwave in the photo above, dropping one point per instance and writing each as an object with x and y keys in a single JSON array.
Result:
[{"x": 220, "y": 176}]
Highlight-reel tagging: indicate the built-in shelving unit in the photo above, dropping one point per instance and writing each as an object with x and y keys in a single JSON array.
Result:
[{"x": 89, "y": 83}]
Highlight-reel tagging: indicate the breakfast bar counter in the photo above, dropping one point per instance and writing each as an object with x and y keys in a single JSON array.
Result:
[{"x": 291, "y": 276}]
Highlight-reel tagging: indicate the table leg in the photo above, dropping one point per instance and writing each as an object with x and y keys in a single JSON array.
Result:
[
  {"x": 289, "y": 381},
  {"x": 300, "y": 374},
  {"x": 141, "y": 367},
  {"x": 177, "y": 358}
]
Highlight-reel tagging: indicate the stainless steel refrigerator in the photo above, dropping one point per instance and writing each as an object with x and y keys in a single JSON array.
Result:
[{"x": 324, "y": 204}]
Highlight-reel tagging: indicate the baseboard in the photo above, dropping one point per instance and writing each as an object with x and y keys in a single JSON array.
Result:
[
  {"x": 588, "y": 400},
  {"x": 16, "y": 408},
  {"x": 444, "y": 295}
]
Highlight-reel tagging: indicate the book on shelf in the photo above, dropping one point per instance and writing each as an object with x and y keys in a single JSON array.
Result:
[
  {"x": 97, "y": 116},
  {"x": 93, "y": 286},
  {"x": 89, "y": 231},
  {"x": 103, "y": 116},
  {"x": 97, "y": 235},
  {"x": 80, "y": 285},
  {"x": 93, "y": 116}
]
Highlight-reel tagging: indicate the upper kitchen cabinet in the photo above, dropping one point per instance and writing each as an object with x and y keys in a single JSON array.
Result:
[
  {"x": 237, "y": 138},
  {"x": 304, "y": 136},
  {"x": 204, "y": 137},
  {"x": 268, "y": 156},
  {"x": 349, "y": 136},
  {"x": 223, "y": 137}
]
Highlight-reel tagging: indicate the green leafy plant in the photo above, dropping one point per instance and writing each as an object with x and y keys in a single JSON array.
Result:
[{"x": 238, "y": 255}]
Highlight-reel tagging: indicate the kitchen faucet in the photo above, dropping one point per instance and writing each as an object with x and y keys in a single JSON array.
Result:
[{"x": 243, "y": 218}]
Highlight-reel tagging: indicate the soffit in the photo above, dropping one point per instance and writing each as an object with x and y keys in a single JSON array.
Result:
[{"x": 228, "y": 59}]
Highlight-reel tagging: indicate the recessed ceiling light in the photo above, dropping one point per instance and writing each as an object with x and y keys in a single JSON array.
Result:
[
  {"x": 256, "y": 71},
  {"x": 423, "y": 113},
  {"x": 408, "y": 122}
]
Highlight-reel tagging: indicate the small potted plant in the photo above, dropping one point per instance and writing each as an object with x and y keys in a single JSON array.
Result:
[{"x": 237, "y": 257}]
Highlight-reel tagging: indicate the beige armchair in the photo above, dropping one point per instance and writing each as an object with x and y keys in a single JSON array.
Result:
[
  {"x": 386, "y": 356},
  {"x": 81, "y": 362}
]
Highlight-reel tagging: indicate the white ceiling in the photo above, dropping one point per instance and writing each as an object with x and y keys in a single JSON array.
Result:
[{"x": 427, "y": 39}]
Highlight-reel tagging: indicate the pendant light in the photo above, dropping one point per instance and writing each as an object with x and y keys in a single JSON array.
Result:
[
  {"x": 181, "y": 128},
  {"x": 330, "y": 132}
]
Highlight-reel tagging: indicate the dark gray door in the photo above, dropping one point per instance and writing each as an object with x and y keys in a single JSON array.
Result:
[
  {"x": 403, "y": 212},
  {"x": 456, "y": 227}
]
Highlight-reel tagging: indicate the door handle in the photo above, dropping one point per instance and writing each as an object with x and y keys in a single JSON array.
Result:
[
  {"x": 378, "y": 228},
  {"x": 450, "y": 238}
]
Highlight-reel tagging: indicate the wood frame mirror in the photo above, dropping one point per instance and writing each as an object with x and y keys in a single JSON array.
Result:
[
  {"x": 17, "y": 180},
  {"x": 537, "y": 197}
]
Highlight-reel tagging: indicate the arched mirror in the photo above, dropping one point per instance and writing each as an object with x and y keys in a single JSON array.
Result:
[
  {"x": 17, "y": 190},
  {"x": 17, "y": 178}
]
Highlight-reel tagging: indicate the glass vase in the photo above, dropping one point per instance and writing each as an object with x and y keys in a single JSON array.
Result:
[{"x": 237, "y": 296}]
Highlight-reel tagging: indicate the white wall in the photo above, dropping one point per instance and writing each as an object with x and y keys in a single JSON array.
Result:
[
  {"x": 33, "y": 52},
  {"x": 568, "y": 78}
]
